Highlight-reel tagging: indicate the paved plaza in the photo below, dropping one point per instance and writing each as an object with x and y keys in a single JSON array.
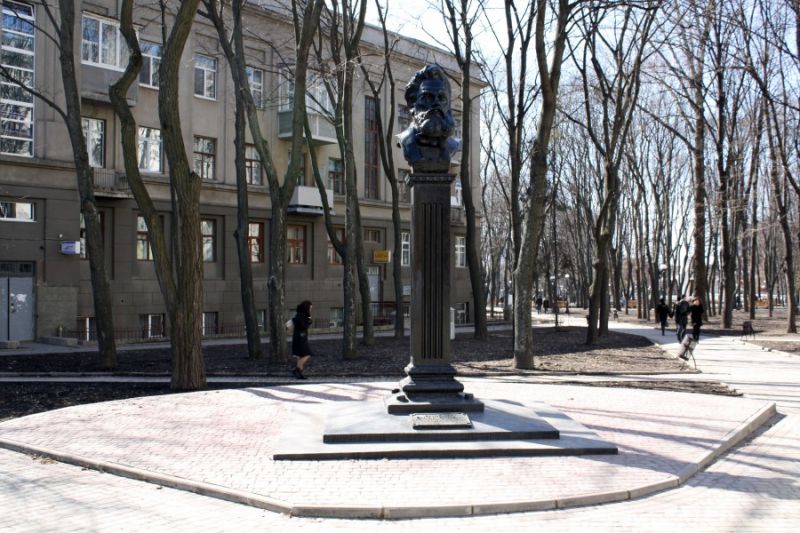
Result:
[{"x": 203, "y": 461}]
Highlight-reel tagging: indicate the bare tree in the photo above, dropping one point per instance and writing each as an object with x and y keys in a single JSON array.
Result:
[
  {"x": 64, "y": 27},
  {"x": 215, "y": 12},
  {"x": 180, "y": 272},
  {"x": 611, "y": 89},
  {"x": 461, "y": 16}
]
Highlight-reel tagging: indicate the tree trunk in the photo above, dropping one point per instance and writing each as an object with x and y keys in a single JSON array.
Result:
[{"x": 101, "y": 290}]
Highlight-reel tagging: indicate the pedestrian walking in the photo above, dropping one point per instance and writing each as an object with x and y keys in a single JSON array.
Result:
[
  {"x": 681, "y": 312},
  {"x": 696, "y": 314},
  {"x": 538, "y": 305},
  {"x": 300, "y": 348},
  {"x": 663, "y": 312},
  {"x": 546, "y": 304}
]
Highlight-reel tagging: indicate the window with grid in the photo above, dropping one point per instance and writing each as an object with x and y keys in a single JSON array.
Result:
[
  {"x": 18, "y": 211},
  {"x": 256, "y": 78},
  {"x": 301, "y": 168},
  {"x": 405, "y": 249},
  {"x": 149, "y": 149},
  {"x": 144, "y": 252},
  {"x": 94, "y": 131},
  {"x": 372, "y": 235},
  {"x": 151, "y": 57},
  {"x": 102, "y": 43},
  {"x": 87, "y": 328},
  {"x": 205, "y": 157},
  {"x": 333, "y": 257},
  {"x": 371, "y": 150},
  {"x": 461, "y": 252},
  {"x": 152, "y": 325},
  {"x": 255, "y": 241},
  {"x": 252, "y": 165},
  {"x": 83, "y": 233},
  {"x": 208, "y": 229},
  {"x": 336, "y": 176},
  {"x": 17, "y": 59},
  {"x": 403, "y": 187},
  {"x": 403, "y": 117},
  {"x": 205, "y": 76},
  {"x": 210, "y": 323},
  {"x": 296, "y": 244}
]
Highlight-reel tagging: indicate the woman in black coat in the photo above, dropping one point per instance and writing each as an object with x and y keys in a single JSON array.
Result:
[
  {"x": 696, "y": 314},
  {"x": 300, "y": 348}
]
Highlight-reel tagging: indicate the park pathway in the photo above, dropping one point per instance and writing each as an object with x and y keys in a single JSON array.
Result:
[{"x": 754, "y": 487}]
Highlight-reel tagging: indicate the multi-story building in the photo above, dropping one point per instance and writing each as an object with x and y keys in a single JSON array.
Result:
[{"x": 44, "y": 277}]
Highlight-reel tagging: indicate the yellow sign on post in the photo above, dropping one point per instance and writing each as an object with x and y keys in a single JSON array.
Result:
[{"x": 381, "y": 256}]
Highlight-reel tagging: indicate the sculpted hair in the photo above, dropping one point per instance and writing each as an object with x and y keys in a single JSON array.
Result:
[{"x": 430, "y": 72}]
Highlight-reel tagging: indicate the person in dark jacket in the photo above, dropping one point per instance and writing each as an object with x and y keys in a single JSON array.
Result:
[
  {"x": 696, "y": 314},
  {"x": 681, "y": 312},
  {"x": 663, "y": 312},
  {"x": 300, "y": 348}
]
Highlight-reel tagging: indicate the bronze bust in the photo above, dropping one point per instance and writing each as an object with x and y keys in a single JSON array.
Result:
[{"x": 428, "y": 144}]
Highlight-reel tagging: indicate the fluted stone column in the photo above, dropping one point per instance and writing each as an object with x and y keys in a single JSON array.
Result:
[{"x": 430, "y": 384}]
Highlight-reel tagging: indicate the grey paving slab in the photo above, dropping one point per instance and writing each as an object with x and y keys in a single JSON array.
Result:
[{"x": 226, "y": 439}]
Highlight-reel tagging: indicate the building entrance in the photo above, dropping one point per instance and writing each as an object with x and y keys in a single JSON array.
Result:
[{"x": 17, "y": 304}]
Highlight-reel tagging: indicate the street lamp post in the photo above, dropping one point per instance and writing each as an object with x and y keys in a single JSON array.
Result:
[{"x": 662, "y": 269}]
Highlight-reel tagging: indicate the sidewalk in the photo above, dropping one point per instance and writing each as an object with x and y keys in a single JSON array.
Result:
[{"x": 222, "y": 440}]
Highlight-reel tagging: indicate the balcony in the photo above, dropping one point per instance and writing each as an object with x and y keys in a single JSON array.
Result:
[
  {"x": 322, "y": 131},
  {"x": 307, "y": 201},
  {"x": 111, "y": 184},
  {"x": 95, "y": 81}
]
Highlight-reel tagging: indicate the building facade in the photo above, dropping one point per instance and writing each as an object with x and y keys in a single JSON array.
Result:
[{"x": 44, "y": 275}]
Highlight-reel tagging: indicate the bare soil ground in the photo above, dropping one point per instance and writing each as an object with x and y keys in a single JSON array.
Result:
[{"x": 561, "y": 351}]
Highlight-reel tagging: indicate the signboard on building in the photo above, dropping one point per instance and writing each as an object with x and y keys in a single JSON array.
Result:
[
  {"x": 71, "y": 247},
  {"x": 381, "y": 256}
]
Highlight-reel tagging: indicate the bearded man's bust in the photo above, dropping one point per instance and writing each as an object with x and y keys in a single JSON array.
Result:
[{"x": 428, "y": 144}]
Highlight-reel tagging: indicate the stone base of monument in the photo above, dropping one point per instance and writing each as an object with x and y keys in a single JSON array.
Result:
[{"x": 363, "y": 430}]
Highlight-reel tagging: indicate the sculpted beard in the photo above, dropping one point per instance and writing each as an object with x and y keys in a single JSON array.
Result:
[{"x": 434, "y": 123}]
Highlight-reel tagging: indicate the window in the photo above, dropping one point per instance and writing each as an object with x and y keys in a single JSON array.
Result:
[
  {"x": 255, "y": 241},
  {"x": 144, "y": 252},
  {"x": 84, "y": 254},
  {"x": 317, "y": 100},
  {"x": 261, "y": 315},
  {"x": 205, "y": 76},
  {"x": 372, "y": 235},
  {"x": 149, "y": 149},
  {"x": 403, "y": 117},
  {"x": 405, "y": 249},
  {"x": 86, "y": 328},
  {"x": 333, "y": 257},
  {"x": 461, "y": 252},
  {"x": 18, "y": 211},
  {"x": 252, "y": 165},
  {"x": 301, "y": 169},
  {"x": 210, "y": 326},
  {"x": 94, "y": 130},
  {"x": 102, "y": 43},
  {"x": 296, "y": 244},
  {"x": 403, "y": 187},
  {"x": 16, "y": 56},
  {"x": 208, "y": 229},
  {"x": 256, "y": 78},
  {"x": 336, "y": 317},
  {"x": 152, "y": 325},
  {"x": 371, "y": 161},
  {"x": 336, "y": 176},
  {"x": 205, "y": 150},
  {"x": 462, "y": 312},
  {"x": 457, "y": 193},
  {"x": 151, "y": 55}
]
